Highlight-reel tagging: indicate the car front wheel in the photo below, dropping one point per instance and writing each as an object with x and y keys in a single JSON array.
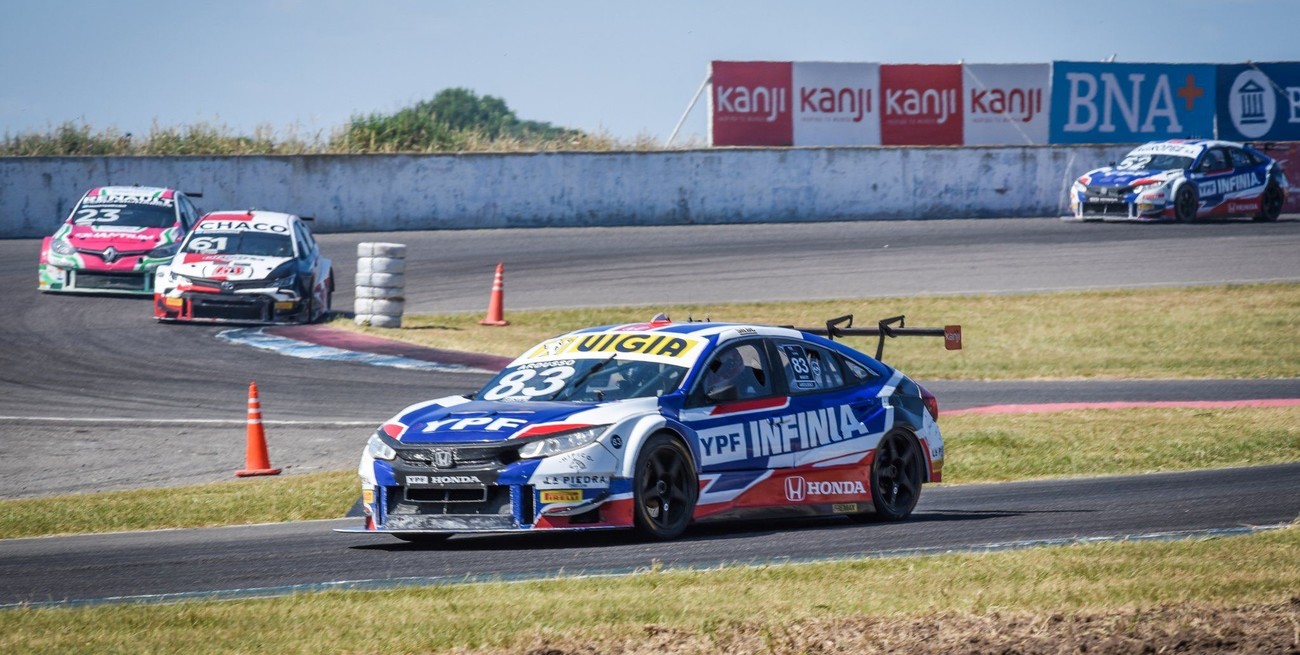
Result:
[
  {"x": 1185, "y": 204},
  {"x": 665, "y": 488}
]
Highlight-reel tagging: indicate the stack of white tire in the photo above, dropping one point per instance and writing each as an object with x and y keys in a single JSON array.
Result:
[{"x": 381, "y": 284}]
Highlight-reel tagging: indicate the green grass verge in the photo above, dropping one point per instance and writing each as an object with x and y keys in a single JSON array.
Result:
[
  {"x": 1228, "y": 331},
  {"x": 980, "y": 448},
  {"x": 1259, "y": 568}
]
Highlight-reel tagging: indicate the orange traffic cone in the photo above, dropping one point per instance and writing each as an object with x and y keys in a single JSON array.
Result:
[
  {"x": 256, "y": 461},
  {"x": 496, "y": 304}
]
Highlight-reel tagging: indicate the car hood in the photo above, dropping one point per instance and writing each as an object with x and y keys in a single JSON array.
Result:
[
  {"x": 225, "y": 267},
  {"x": 487, "y": 421},
  {"x": 122, "y": 239},
  {"x": 1115, "y": 177}
]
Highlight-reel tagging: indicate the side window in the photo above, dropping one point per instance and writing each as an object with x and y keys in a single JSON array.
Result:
[
  {"x": 810, "y": 368},
  {"x": 1214, "y": 160},
  {"x": 1240, "y": 158},
  {"x": 189, "y": 215},
  {"x": 857, "y": 373},
  {"x": 737, "y": 372},
  {"x": 304, "y": 250}
]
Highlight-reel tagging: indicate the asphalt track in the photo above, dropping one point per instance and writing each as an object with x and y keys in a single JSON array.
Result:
[{"x": 95, "y": 396}]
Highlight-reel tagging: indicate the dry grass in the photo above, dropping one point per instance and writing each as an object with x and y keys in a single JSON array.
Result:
[
  {"x": 963, "y": 600},
  {"x": 1229, "y": 331}
]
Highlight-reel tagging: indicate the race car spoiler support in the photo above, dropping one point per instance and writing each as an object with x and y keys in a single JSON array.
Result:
[{"x": 894, "y": 326}]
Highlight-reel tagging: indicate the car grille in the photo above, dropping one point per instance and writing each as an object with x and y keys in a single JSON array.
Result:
[
  {"x": 484, "y": 501},
  {"x": 232, "y": 284},
  {"x": 1105, "y": 209},
  {"x": 469, "y": 458},
  {"x": 239, "y": 308},
  {"x": 1109, "y": 191},
  {"x": 111, "y": 281}
]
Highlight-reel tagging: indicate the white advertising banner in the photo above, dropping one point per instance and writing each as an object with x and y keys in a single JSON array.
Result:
[
  {"x": 1006, "y": 104},
  {"x": 836, "y": 104}
]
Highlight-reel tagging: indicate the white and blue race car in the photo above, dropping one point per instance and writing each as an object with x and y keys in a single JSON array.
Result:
[
  {"x": 653, "y": 426},
  {"x": 1183, "y": 180}
]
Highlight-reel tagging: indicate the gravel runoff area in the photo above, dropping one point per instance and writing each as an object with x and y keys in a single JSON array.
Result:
[{"x": 1183, "y": 628}]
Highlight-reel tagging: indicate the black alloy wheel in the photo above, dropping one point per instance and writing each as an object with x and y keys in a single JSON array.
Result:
[
  {"x": 665, "y": 488},
  {"x": 1270, "y": 204},
  {"x": 1185, "y": 203},
  {"x": 896, "y": 476}
]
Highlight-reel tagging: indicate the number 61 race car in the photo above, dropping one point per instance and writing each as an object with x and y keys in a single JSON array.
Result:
[
  {"x": 655, "y": 425},
  {"x": 246, "y": 267}
]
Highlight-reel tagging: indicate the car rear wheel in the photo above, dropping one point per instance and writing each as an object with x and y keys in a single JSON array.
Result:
[
  {"x": 896, "y": 475},
  {"x": 1185, "y": 203},
  {"x": 665, "y": 488},
  {"x": 1270, "y": 204}
]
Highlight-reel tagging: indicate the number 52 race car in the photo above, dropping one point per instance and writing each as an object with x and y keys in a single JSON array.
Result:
[
  {"x": 246, "y": 267},
  {"x": 655, "y": 425}
]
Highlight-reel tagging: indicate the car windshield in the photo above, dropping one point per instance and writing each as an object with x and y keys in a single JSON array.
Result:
[
  {"x": 583, "y": 380},
  {"x": 262, "y": 244},
  {"x": 1149, "y": 162},
  {"x": 123, "y": 214}
]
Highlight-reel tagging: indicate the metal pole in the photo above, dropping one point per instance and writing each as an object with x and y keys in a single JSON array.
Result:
[{"x": 695, "y": 99}]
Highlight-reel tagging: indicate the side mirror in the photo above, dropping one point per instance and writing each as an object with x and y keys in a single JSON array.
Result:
[{"x": 722, "y": 394}]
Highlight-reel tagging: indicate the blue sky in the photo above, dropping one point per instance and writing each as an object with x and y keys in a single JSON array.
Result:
[{"x": 626, "y": 69}]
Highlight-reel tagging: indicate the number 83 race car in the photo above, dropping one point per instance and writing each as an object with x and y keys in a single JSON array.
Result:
[{"x": 653, "y": 426}]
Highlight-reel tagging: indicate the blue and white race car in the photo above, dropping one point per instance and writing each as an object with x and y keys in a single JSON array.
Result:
[
  {"x": 652, "y": 426},
  {"x": 1183, "y": 180}
]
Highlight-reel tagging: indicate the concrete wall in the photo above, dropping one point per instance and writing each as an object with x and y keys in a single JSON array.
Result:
[{"x": 348, "y": 193}]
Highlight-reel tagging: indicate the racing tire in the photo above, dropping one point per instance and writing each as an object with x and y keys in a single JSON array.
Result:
[
  {"x": 665, "y": 488},
  {"x": 427, "y": 539},
  {"x": 896, "y": 475},
  {"x": 1270, "y": 204},
  {"x": 1185, "y": 204}
]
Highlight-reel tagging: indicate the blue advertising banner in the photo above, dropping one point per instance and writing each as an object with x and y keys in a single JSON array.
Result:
[
  {"x": 1259, "y": 102},
  {"x": 1131, "y": 103}
]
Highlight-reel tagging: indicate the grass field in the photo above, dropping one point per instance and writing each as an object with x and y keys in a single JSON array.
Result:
[{"x": 956, "y": 600}]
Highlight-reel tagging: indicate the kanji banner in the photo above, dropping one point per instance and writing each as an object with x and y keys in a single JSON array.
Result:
[
  {"x": 1006, "y": 104},
  {"x": 836, "y": 104},
  {"x": 921, "y": 105},
  {"x": 751, "y": 104}
]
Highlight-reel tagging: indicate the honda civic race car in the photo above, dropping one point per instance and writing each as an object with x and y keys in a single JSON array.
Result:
[
  {"x": 246, "y": 267},
  {"x": 114, "y": 239},
  {"x": 652, "y": 426},
  {"x": 1183, "y": 180}
]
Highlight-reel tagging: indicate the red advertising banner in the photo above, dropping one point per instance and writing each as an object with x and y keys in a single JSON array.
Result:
[
  {"x": 921, "y": 104},
  {"x": 751, "y": 104}
]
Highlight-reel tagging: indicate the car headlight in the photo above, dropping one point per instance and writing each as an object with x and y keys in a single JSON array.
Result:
[
  {"x": 164, "y": 251},
  {"x": 285, "y": 276},
  {"x": 562, "y": 442},
  {"x": 61, "y": 247},
  {"x": 378, "y": 449}
]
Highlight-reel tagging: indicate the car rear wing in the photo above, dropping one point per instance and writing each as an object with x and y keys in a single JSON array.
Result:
[{"x": 894, "y": 326}]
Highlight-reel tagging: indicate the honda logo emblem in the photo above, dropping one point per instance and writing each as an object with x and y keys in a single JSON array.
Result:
[
  {"x": 794, "y": 489},
  {"x": 442, "y": 459}
]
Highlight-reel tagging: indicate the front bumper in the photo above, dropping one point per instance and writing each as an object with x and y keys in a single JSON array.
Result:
[
  {"x": 267, "y": 308},
  {"x": 490, "y": 490},
  {"x": 57, "y": 279}
]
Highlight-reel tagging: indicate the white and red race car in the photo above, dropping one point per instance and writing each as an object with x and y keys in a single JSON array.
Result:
[
  {"x": 114, "y": 239},
  {"x": 246, "y": 267},
  {"x": 653, "y": 426}
]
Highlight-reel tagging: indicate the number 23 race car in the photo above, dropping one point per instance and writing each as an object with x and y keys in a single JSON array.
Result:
[{"x": 656, "y": 425}]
